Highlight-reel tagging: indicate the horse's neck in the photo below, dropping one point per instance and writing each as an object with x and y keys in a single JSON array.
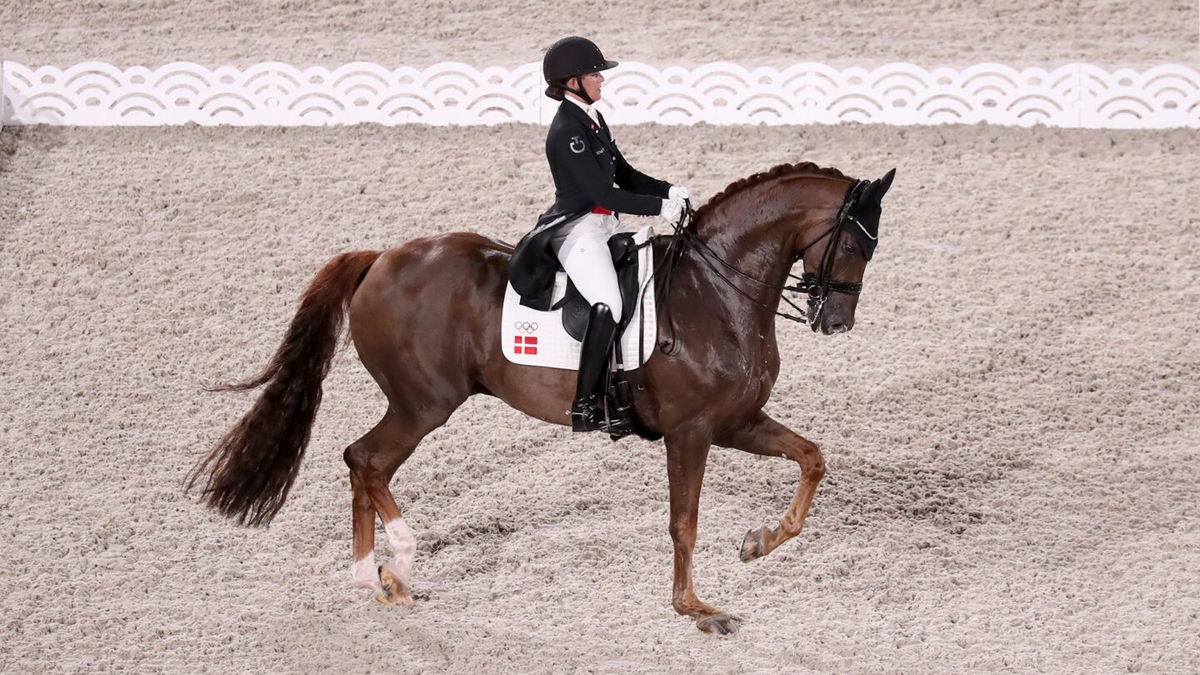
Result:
[
  {"x": 725, "y": 286},
  {"x": 756, "y": 232},
  {"x": 751, "y": 233}
]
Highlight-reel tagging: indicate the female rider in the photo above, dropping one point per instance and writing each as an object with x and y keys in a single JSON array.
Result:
[{"x": 593, "y": 184}]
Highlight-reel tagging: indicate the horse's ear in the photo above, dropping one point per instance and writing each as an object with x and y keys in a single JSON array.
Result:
[
  {"x": 885, "y": 183},
  {"x": 867, "y": 196}
]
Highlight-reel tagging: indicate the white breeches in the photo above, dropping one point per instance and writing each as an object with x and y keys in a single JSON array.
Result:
[{"x": 584, "y": 255}]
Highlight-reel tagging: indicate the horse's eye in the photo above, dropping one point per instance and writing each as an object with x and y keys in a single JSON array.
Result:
[{"x": 848, "y": 246}]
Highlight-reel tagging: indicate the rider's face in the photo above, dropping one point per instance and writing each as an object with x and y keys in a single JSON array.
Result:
[{"x": 590, "y": 83}]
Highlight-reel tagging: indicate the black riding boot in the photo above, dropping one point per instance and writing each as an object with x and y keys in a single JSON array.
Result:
[{"x": 587, "y": 411}]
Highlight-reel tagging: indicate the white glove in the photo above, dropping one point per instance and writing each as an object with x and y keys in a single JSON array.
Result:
[
  {"x": 679, "y": 192},
  {"x": 671, "y": 208}
]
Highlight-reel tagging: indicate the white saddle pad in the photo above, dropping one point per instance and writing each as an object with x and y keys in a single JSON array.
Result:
[{"x": 533, "y": 338}]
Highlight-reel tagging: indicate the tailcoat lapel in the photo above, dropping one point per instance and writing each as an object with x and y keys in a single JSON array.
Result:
[{"x": 600, "y": 132}]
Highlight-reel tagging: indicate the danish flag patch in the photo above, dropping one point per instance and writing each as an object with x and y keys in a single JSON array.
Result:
[{"x": 525, "y": 344}]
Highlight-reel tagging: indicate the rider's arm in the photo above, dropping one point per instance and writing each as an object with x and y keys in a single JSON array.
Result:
[{"x": 632, "y": 179}]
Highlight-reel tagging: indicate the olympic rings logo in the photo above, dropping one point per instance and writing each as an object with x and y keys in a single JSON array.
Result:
[{"x": 526, "y": 326}]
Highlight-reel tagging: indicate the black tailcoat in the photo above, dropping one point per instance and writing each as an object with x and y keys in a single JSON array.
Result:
[{"x": 586, "y": 165}]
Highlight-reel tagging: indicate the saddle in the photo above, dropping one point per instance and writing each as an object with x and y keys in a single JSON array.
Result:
[
  {"x": 548, "y": 335},
  {"x": 575, "y": 308}
]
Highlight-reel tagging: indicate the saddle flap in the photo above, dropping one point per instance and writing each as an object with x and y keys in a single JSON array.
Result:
[{"x": 575, "y": 307}]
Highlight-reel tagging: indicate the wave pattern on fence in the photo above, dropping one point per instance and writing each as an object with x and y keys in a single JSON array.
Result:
[{"x": 1075, "y": 95}]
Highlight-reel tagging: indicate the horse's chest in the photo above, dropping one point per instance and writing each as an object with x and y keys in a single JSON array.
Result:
[
  {"x": 761, "y": 354},
  {"x": 764, "y": 376},
  {"x": 754, "y": 373}
]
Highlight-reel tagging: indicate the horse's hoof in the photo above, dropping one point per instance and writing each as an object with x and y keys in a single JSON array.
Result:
[
  {"x": 754, "y": 544},
  {"x": 719, "y": 624},
  {"x": 394, "y": 591}
]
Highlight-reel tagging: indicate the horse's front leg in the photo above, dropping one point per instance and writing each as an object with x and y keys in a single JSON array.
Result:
[
  {"x": 764, "y": 436},
  {"x": 687, "y": 454}
]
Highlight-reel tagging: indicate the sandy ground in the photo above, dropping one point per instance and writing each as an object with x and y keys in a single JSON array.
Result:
[
  {"x": 750, "y": 32},
  {"x": 1012, "y": 429}
]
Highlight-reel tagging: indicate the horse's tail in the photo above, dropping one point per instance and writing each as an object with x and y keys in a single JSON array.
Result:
[{"x": 251, "y": 469}]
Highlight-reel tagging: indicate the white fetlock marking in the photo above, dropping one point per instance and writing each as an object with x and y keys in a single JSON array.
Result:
[
  {"x": 404, "y": 547},
  {"x": 365, "y": 573}
]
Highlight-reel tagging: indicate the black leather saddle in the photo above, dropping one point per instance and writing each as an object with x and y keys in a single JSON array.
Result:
[{"x": 575, "y": 308}]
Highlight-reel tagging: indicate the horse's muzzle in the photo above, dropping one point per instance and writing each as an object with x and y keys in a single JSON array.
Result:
[{"x": 831, "y": 324}]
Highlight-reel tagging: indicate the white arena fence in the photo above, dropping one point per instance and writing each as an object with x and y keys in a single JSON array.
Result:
[{"x": 1075, "y": 95}]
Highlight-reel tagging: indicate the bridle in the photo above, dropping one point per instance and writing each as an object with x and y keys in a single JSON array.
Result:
[{"x": 816, "y": 286}]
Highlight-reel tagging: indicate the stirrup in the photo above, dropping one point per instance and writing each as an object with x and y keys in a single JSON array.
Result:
[
  {"x": 587, "y": 415},
  {"x": 591, "y": 415}
]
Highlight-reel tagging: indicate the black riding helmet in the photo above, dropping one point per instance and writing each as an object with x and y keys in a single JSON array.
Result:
[{"x": 571, "y": 57}]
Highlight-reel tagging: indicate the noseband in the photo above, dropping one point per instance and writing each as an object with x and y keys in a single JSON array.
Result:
[{"x": 816, "y": 286}]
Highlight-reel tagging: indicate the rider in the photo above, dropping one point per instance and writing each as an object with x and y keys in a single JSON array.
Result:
[{"x": 585, "y": 164}]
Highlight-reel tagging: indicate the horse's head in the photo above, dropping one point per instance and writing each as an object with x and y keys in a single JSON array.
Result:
[{"x": 834, "y": 263}]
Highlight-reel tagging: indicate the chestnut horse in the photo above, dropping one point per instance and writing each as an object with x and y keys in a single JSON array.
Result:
[{"x": 425, "y": 319}]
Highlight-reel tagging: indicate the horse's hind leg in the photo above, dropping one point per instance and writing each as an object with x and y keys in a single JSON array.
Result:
[
  {"x": 765, "y": 436},
  {"x": 373, "y": 460},
  {"x": 363, "y": 570}
]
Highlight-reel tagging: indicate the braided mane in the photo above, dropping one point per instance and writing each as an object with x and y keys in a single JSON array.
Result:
[{"x": 774, "y": 172}]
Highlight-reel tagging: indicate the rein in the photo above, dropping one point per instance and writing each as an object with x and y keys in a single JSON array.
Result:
[{"x": 817, "y": 287}]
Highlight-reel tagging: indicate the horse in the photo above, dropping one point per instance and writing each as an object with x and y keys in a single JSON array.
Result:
[{"x": 425, "y": 320}]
